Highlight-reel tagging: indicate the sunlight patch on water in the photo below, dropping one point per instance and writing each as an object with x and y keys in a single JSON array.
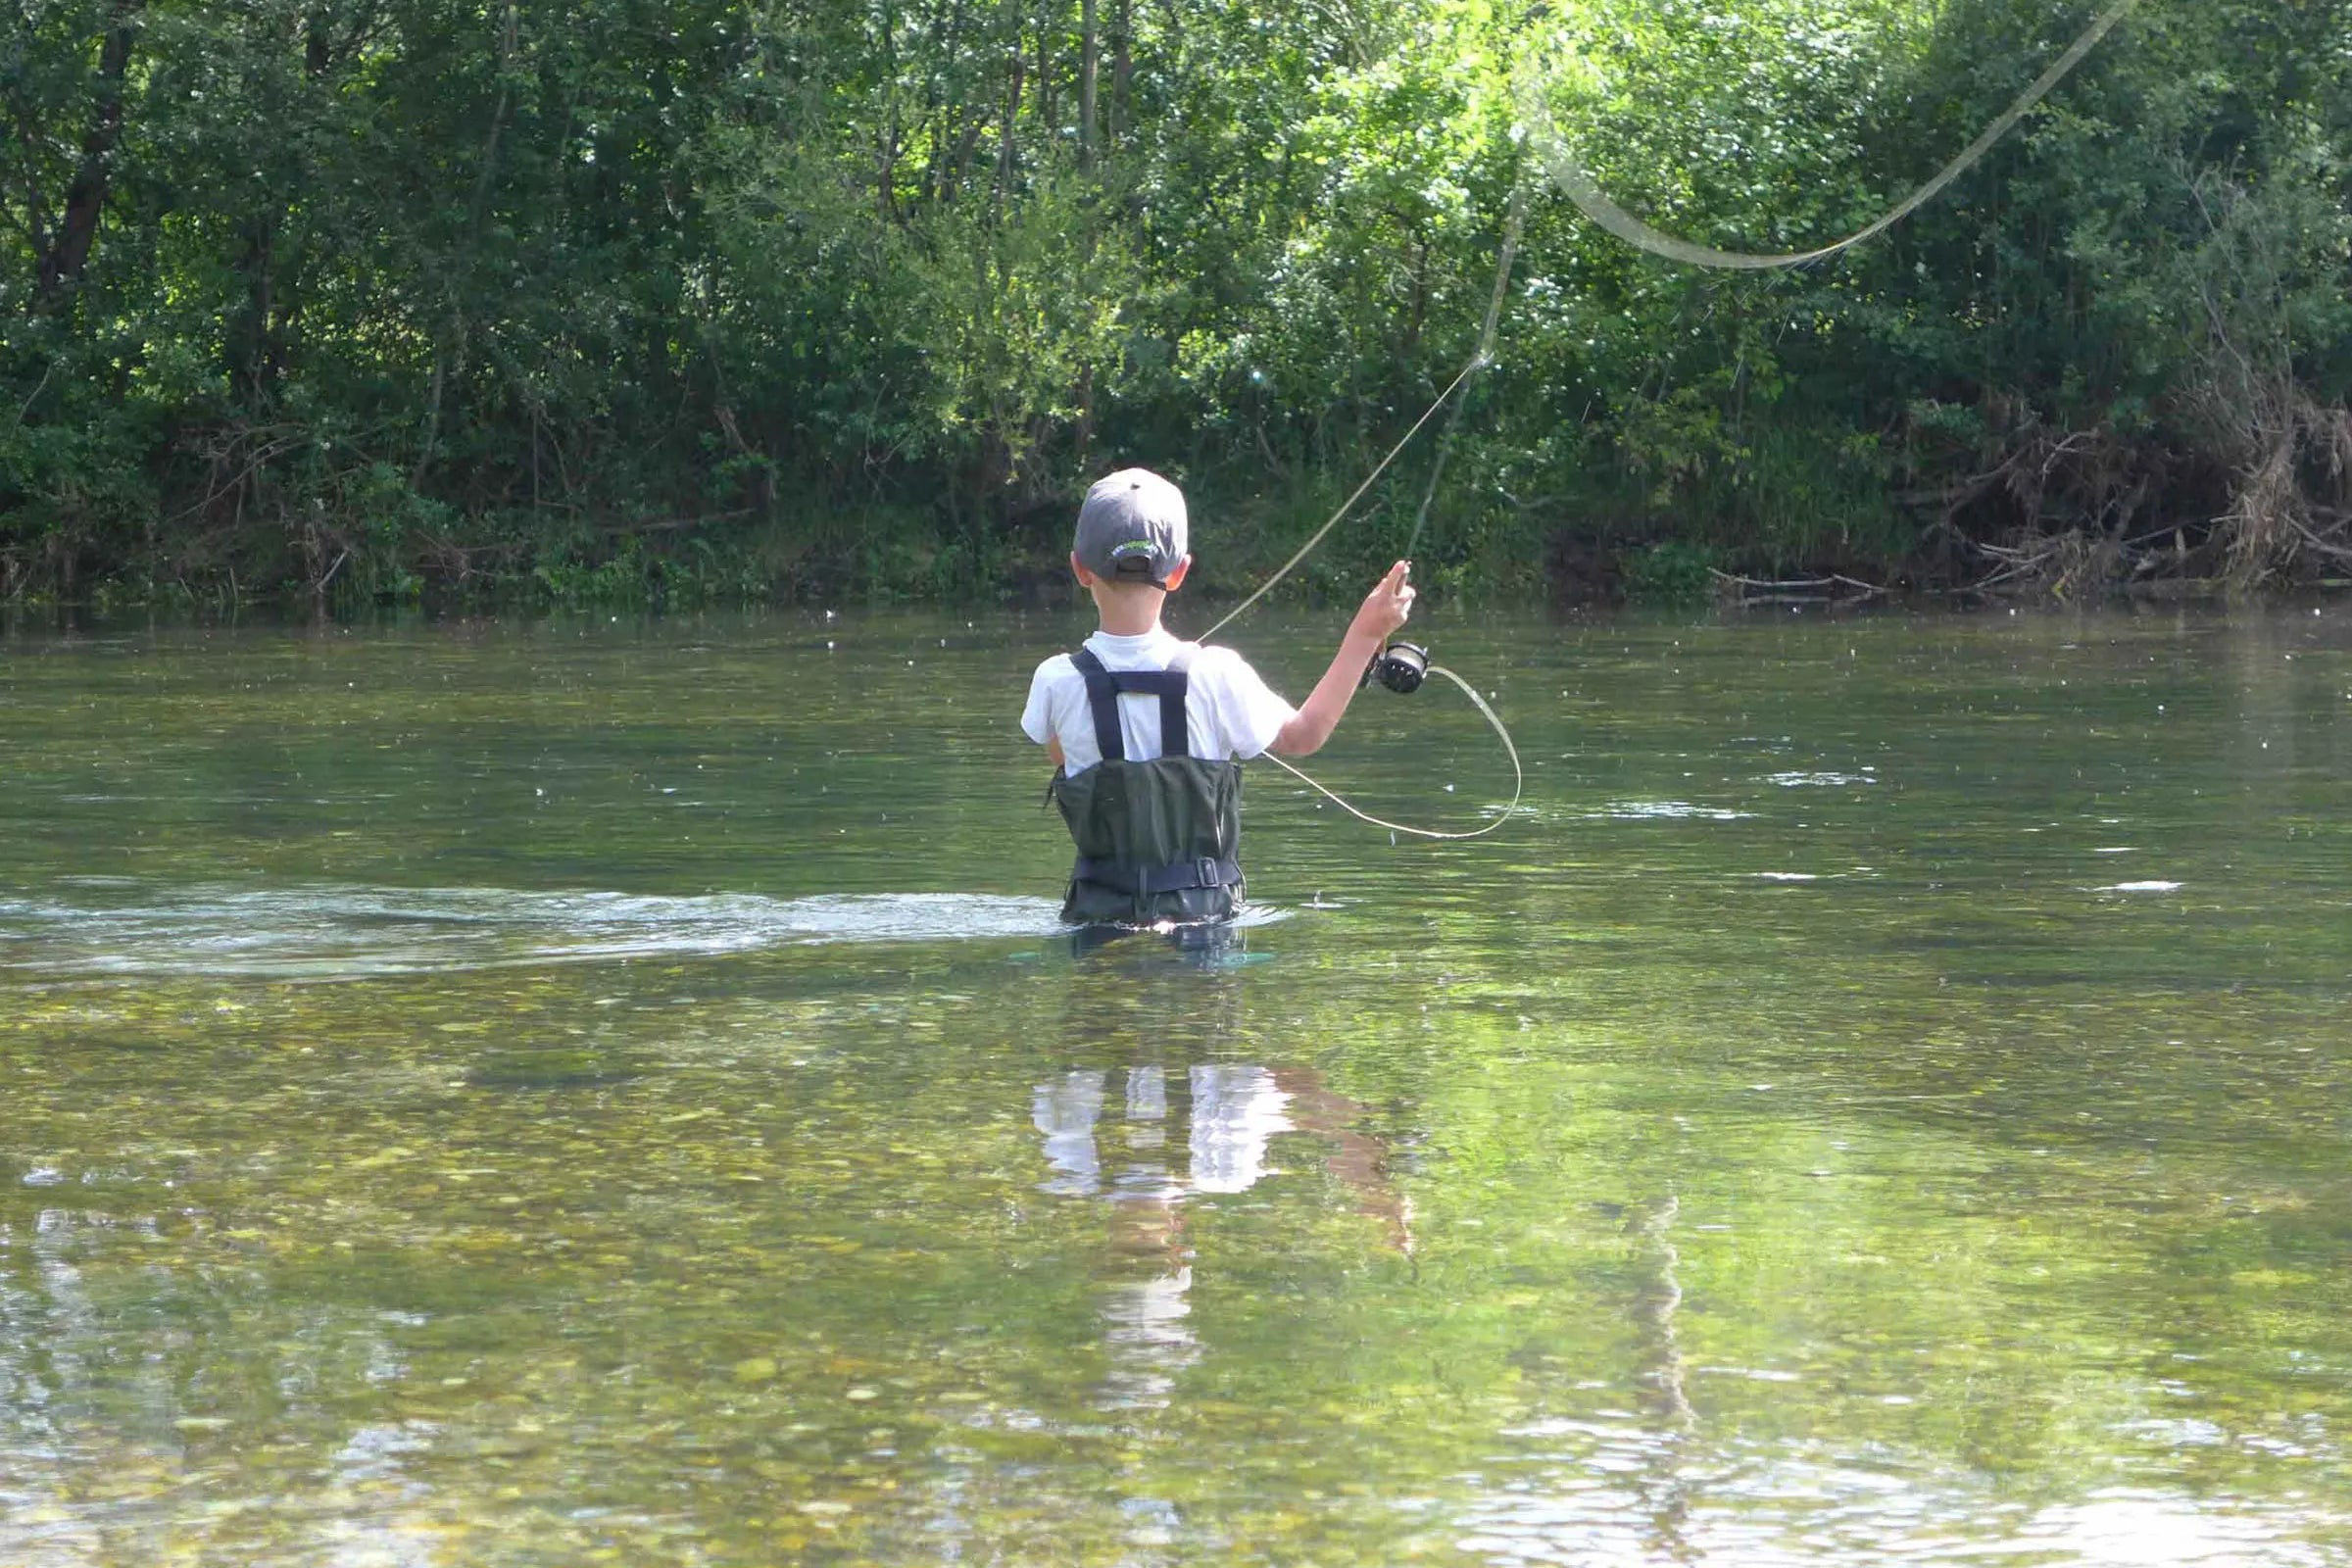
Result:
[
  {"x": 1669, "y": 811},
  {"x": 1631, "y": 1497},
  {"x": 1798, "y": 781},
  {"x": 346, "y": 933}
]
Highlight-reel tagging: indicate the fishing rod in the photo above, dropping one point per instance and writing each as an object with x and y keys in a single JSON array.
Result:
[{"x": 1401, "y": 667}]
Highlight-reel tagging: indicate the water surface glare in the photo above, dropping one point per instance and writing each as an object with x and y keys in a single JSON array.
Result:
[{"x": 591, "y": 1092}]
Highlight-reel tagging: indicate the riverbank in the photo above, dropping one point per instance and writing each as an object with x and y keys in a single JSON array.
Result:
[{"x": 897, "y": 556}]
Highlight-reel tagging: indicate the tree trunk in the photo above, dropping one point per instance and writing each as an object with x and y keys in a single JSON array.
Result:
[
  {"x": 451, "y": 345},
  {"x": 286, "y": 292},
  {"x": 1122, "y": 71},
  {"x": 1044, "y": 80},
  {"x": 960, "y": 167},
  {"x": 1012, "y": 118},
  {"x": 885, "y": 148},
  {"x": 252, "y": 346},
  {"x": 942, "y": 112},
  {"x": 1089, "y": 48},
  {"x": 85, "y": 197}
]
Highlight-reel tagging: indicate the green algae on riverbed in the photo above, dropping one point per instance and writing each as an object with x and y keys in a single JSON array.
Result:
[{"x": 489, "y": 1094}]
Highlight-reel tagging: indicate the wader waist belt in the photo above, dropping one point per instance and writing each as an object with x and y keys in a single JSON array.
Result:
[{"x": 1200, "y": 873}]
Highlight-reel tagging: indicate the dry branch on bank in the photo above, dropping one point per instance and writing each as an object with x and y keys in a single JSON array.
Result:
[
  {"x": 1760, "y": 590},
  {"x": 2288, "y": 513}
]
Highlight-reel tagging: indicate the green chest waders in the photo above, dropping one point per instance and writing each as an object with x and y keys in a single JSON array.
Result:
[{"x": 1158, "y": 840}]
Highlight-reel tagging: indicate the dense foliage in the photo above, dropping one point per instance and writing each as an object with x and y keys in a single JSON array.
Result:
[{"x": 705, "y": 297}]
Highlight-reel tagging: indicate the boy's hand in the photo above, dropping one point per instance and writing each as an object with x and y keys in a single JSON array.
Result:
[{"x": 1385, "y": 608}]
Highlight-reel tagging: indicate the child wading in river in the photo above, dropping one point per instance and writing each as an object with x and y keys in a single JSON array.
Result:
[{"x": 1149, "y": 732}]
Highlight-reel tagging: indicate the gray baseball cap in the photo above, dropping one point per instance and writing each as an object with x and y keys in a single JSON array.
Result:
[{"x": 1132, "y": 528}]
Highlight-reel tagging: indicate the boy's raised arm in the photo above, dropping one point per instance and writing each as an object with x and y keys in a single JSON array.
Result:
[{"x": 1384, "y": 610}]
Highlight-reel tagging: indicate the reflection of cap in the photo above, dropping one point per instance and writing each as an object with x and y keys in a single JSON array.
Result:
[{"x": 1132, "y": 528}]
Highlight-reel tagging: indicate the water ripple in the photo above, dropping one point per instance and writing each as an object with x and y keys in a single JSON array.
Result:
[{"x": 329, "y": 933}]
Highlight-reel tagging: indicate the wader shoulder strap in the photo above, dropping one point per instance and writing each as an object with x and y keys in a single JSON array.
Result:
[{"x": 1103, "y": 688}]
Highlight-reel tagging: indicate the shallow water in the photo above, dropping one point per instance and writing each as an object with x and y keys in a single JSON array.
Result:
[{"x": 577, "y": 1092}]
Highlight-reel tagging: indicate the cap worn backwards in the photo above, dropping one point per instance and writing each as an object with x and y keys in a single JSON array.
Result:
[{"x": 1132, "y": 528}]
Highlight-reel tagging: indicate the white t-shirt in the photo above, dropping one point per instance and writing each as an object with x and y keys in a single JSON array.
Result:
[{"x": 1228, "y": 712}]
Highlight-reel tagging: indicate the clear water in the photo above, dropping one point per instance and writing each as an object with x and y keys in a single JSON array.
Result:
[{"x": 589, "y": 1092}]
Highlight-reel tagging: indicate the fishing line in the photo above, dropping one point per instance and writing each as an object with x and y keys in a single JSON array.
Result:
[
  {"x": 1581, "y": 188},
  {"x": 1585, "y": 191},
  {"x": 1518, "y": 776}
]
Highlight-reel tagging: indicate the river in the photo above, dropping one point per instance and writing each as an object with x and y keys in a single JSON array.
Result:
[{"x": 599, "y": 1090}]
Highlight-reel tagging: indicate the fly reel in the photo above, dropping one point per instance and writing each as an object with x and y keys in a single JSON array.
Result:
[{"x": 1401, "y": 667}]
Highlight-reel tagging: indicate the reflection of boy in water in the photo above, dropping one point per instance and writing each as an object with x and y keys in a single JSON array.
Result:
[{"x": 1229, "y": 1112}]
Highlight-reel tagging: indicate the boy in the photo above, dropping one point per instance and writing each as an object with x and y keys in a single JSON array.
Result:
[{"x": 1149, "y": 732}]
